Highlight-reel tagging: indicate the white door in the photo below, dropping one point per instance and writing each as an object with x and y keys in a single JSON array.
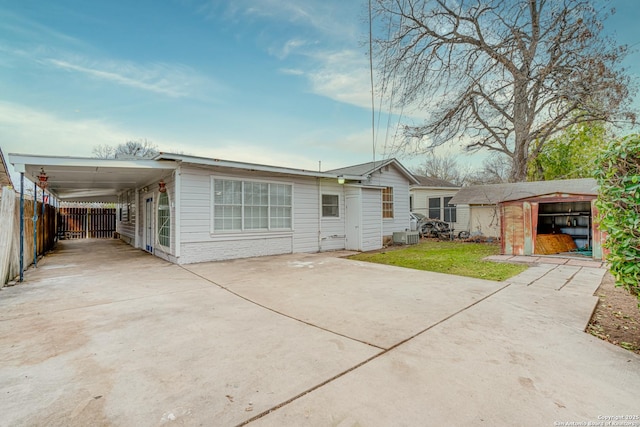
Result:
[
  {"x": 148, "y": 225},
  {"x": 353, "y": 223}
]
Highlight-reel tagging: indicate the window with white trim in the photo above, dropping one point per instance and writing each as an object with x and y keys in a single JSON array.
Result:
[
  {"x": 450, "y": 213},
  {"x": 434, "y": 208},
  {"x": 387, "y": 202},
  {"x": 330, "y": 206},
  {"x": 251, "y": 205},
  {"x": 164, "y": 220}
]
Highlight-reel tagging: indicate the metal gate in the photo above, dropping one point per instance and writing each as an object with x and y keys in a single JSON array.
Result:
[{"x": 86, "y": 223}]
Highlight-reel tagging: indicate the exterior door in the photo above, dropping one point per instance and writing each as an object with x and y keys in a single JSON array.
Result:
[
  {"x": 148, "y": 225},
  {"x": 353, "y": 223}
]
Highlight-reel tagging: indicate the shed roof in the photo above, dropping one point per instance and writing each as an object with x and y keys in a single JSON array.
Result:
[
  {"x": 429, "y": 181},
  {"x": 370, "y": 167},
  {"x": 495, "y": 193}
]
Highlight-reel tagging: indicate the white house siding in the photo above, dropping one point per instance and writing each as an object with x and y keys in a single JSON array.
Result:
[
  {"x": 390, "y": 176},
  {"x": 421, "y": 198},
  {"x": 127, "y": 229},
  {"x": 371, "y": 219},
  {"x": 199, "y": 244},
  {"x": 332, "y": 230}
]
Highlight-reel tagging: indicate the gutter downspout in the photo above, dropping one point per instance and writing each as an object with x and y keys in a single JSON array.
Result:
[
  {"x": 177, "y": 182},
  {"x": 21, "y": 226},
  {"x": 35, "y": 225},
  {"x": 318, "y": 185}
]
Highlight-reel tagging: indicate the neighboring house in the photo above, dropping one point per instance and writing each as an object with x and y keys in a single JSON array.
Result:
[
  {"x": 190, "y": 209},
  {"x": 480, "y": 202},
  {"x": 528, "y": 210},
  {"x": 431, "y": 197}
]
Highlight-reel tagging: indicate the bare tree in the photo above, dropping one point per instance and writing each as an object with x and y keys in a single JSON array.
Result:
[
  {"x": 495, "y": 169},
  {"x": 501, "y": 74},
  {"x": 141, "y": 148},
  {"x": 104, "y": 151},
  {"x": 445, "y": 167}
]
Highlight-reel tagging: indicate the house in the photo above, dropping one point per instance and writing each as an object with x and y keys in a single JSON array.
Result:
[
  {"x": 528, "y": 215},
  {"x": 189, "y": 209},
  {"x": 431, "y": 197}
]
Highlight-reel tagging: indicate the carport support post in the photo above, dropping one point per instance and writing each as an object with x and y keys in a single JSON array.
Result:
[
  {"x": 44, "y": 232},
  {"x": 35, "y": 225},
  {"x": 21, "y": 226}
]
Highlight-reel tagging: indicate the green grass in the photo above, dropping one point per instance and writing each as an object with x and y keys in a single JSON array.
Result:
[{"x": 461, "y": 259}]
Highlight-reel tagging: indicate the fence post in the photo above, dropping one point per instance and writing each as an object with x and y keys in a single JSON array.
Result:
[
  {"x": 7, "y": 218},
  {"x": 21, "y": 226}
]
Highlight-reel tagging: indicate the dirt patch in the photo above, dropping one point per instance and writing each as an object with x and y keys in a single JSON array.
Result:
[{"x": 616, "y": 318}]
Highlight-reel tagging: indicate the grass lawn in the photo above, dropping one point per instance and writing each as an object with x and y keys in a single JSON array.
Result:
[{"x": 461, "y": 259}]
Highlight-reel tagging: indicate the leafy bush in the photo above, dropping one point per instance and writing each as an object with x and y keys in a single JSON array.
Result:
[{"x": 618, "y": 174}]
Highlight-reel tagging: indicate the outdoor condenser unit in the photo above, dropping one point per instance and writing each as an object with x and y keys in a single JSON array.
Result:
[{"x": 406, "y": 237}]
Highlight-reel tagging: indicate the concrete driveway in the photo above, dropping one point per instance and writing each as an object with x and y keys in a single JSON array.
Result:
[{"x": 103, "y": 334}]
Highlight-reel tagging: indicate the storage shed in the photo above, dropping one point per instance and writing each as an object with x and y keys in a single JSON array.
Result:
[{"x": 544, "y": 217}]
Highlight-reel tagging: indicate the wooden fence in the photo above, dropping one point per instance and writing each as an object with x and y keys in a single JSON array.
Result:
[
  {"x": 10, "y": 231},
  {"x": 86, "y": 223}
]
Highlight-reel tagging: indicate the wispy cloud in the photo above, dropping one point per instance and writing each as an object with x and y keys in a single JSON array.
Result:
[
  {"x": 32, "y": 31},
  {"x": 46, "y": 133},
  {"x": 173, "y": 81},
  {"x": 342, "y": 76},
  {"x": 290, "y": 46}
]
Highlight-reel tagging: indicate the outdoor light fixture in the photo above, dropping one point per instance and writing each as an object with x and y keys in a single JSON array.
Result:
[
  {"x": 42, "y": 179},
  {"x": 340, "y": 179},
  {"x": 162, "y": 187}
]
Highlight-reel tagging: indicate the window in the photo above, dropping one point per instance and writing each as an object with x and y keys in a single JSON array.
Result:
[
  {"x": 125, "y": 209},
  {"x": 256, "y": 206},
  {"x": 330, "y": 206},
  {"x": 450, "y": 214},
  {"x": 434, "y": 208},
  {"x": 387, "y": 202},
  {"x": 227, "y": 202},
  {"x": 280, "y": 204},
  {"x": 164, "y": 220},
  {"x": 249, "y": 205}
]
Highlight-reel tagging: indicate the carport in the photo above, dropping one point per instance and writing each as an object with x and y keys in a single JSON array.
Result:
[{"x": 82, "y": 180}]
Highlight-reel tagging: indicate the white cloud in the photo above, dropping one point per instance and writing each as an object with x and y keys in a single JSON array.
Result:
[
  {"x": 171, "y": 80},
  {"x": 343, "y": 76},
  {"x": 25, "y": 130},
  {"x": 290, "y": 46}
]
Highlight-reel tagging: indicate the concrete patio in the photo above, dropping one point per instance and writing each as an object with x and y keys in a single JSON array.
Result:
[{"x": 104, "y": 334}]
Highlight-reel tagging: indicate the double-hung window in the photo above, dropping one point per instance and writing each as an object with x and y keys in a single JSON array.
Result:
[
  {"x": 251, "y": 206},
  {"x": 387, "y": 202},
  {"x": 330, "y": 207},
  {"x": 450, "y": 214},
  {"x": 434, "y": 208}
]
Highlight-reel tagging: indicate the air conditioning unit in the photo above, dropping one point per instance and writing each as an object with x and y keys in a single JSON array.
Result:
[{"x": 406, "y": 237}]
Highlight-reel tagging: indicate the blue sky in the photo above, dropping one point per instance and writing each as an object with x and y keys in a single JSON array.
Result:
[{"x": 279, "y": 82}]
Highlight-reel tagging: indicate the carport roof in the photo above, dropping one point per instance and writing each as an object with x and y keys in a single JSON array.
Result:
[{"x": 80, "y": 179}]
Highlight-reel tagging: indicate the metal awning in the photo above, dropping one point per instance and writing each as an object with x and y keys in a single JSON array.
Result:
[{"x": 77, "y": 179}]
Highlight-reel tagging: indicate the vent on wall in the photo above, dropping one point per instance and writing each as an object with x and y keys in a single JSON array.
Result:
[{"x": 406, "y": 237}]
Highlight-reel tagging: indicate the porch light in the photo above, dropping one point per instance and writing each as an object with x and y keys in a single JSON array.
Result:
[
  {"x": 42, "y": 179},
  {"x": 162, "y": 187},
  {"x": 340, "y": 179}
]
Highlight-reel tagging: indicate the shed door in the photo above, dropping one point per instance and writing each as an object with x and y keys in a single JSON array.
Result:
[
  {"x": 148, "y": 225},
  {"x": 353, "y": 223}
]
